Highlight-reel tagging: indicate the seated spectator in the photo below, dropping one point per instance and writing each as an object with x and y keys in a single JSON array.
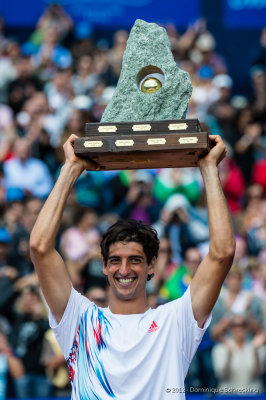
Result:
[
  {"x": 139, "y": 203},
  {"x": 82, "y": 239},
  {"x": 24, "y": 85},
  {"x": 256, "y": 233},
  {"x": 8, "y": 272},
  {"x": 13, "y": 209},
  {"x": 246, "y": 148},
  {"x": 55, "y": 365},
  {"x": 27, "y": 173},
  {"x": 53, "y": 15},
  {"x": 239, "y": 362},
  {"x": 29, "y": 324},
  {"x": 204, "y": 52},
  {"x": 235, "y": 300},
  {"x": 51, "y": 51},
  {"x": 177, "y": 283},
  {"x": 258, "y": 81},
  {"x": 233, "y": 183},
  {"x": 85, "y": 78},
  {"x": 222, "y": 109},
  {"x": 241, "y": 254},
  {"x": 259, "y": 283},
  {"x": 7, "y": 131},
  {"x": 10, "y": 366},
  {"x": 20, "y": 238},
  {"x": 183, "y": 224},
  {"x": 60, "y": 94},
  {"x": 249, "y": 215},
  {"x": 185, "y": 181},
  {"x": 164, "y": 266},
  {"x": 259, "y": 174}
]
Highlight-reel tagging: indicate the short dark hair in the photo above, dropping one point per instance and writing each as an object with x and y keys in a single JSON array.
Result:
[{"x": 131, "y": 231}]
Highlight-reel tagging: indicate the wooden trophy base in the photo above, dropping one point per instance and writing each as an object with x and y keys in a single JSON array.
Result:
[{"x": 147, "y": 144}]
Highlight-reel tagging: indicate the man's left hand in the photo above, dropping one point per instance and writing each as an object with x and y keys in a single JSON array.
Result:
[{"x": 216, "y": 154}]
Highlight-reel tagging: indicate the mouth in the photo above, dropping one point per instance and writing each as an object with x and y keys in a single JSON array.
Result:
[{"x": 125, "y": 282}]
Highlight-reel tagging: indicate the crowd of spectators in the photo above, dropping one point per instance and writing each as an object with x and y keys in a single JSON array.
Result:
[{"x": 50, "y": 87}]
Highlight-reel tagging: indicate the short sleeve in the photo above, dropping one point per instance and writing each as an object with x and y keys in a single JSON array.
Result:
[
  {"x": 66, "y": 330},
  {"x": 190, "y": 333}
]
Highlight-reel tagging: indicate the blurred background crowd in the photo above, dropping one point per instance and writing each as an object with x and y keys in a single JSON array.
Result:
[{"x": 50, "y": 86}]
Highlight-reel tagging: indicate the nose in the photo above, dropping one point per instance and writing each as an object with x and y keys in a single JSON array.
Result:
[{"x": 124, "y": 268}]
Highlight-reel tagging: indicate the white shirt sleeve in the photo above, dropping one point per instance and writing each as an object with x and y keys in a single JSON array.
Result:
[
  {"x": 188, "y": 328},
  {"x": 66, "y": 330}
]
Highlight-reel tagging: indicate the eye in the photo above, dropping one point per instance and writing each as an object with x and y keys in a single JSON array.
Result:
[
  {"x": 136, "y": 260},
  {"x": 150, "y": 79},
  {"x": 114, "y": 261}
]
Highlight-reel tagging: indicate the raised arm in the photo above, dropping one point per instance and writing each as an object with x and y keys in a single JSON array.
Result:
[
  {"x": 54, "y": 279},
  {"x": 206, "y": 284}
]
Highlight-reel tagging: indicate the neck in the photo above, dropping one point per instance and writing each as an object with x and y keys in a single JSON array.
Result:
[
  {"x": 136, "y": 306},
  {"x": 240, "y": 343}
]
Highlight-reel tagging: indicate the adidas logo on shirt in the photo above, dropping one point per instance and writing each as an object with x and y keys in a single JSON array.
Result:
[{"x": 154, "y": 327}]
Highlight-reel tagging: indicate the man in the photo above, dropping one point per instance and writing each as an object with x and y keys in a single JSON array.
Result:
[
  {"x": 27, "y": 173},
  {"x": 128, "y": 351}
]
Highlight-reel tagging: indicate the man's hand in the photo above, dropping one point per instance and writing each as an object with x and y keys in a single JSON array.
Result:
[
  {"x": 216, "y": 154},
  {"x": 70, "y": 157}
]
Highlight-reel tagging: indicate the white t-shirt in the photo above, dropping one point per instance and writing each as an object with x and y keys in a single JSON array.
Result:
[{"x": 128, "y": 357}]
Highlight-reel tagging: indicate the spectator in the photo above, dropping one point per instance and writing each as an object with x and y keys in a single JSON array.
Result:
[
  {"x": 177, "y": 283},
  {"x": 235, "y": 300},
  {"x": 27, "y": 173},
  {"x": 85, "y": 78},
  {"x": 10, "y": 365},
  {"x": 29, "y": 326},
  {"x": 83, "y": 236},
  {"x": 239, "y": 362},
  {"x": 53, "y": 16},
  {"x": 8, "y": 272},
  {"x": 20, "y": 237},
  {"x": 139, "y": 202},
  {"x": 51, "y": 52},
  {"x": 7, "y": 131},
  {"x": 55, "y": 365},
  {"x": 233, "y": 183},
  {"x": 24, "y": 86}
]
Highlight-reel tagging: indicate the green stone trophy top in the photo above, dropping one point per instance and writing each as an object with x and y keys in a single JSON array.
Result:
[{"x": 151, "y": 86}]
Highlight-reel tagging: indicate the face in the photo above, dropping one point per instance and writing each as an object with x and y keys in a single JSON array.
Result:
[
  {"x": 127, "y": 270},
  {"x": 234, "y": 282},
  {"x": 192, "y": 260},
  {"x": 239, "y": 329},
  {"x": 22, "y": 149}
]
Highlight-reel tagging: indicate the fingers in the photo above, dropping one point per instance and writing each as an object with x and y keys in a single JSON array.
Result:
[
  {"x": 70, "y": 141},
  {"x": 72, "y": 138},
  {"x": 216, "y": 138},
  {"x": 218, "y": 141}
]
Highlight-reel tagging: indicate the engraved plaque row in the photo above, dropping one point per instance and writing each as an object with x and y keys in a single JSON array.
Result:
[
  {"x": 142, "y": 128},
  {"x": 130, "y": 142}
]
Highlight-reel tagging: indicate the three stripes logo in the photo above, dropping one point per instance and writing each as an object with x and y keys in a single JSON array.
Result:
[{"x": 154, "y": 327}]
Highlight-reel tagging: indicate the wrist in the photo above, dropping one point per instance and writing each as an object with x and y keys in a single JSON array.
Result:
[
  {"x": 72, "y": 169},
  {"x": 208, "y": 168}
]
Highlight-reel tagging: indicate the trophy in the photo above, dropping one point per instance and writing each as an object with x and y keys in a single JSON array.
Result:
[{"x": 144, "y": 125}]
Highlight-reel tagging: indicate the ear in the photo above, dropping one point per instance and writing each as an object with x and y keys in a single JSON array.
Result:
[
  {"x": 105, "y": 269},
  {"x": 151, "y": 266}
]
